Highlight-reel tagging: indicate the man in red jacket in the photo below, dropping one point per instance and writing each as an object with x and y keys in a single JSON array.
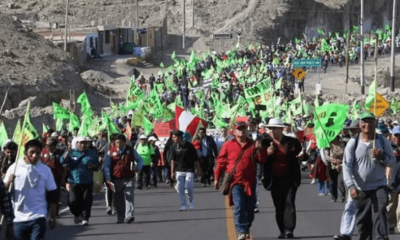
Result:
[
  {"x": 243, "y": 185},
  {"x": 120, "y": 165}
]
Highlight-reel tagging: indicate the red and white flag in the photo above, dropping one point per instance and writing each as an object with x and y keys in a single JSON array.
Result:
[{"x": 186, "y": 121}]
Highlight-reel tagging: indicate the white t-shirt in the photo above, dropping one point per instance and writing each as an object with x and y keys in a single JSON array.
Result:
[{"x": 29, "y": 199}]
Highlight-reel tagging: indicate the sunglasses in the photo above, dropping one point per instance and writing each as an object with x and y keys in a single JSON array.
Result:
[{"x": 240, "y": 124}]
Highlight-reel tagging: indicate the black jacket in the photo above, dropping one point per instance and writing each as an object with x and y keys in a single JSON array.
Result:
[{"x": 292, "y": 149}]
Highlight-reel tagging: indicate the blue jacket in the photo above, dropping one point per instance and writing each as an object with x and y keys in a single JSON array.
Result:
[
  {"x": 80, "y": 172},
  {"x": 212, "y": 149}
]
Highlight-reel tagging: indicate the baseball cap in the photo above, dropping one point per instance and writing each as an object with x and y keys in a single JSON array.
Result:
[
  {"x": 365, "y": 115},
  {"x": 240, "y": 125},
  {"x": 396, "y": 130}
]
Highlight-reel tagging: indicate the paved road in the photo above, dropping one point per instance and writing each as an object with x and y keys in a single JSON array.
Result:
[{"x": 157, "y": 217}]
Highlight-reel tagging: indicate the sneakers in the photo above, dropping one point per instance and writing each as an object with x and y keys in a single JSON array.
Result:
[
  {"x": 182, "y": 209},
  {"x": 256, "y": 210},
  {"x": 84, "y": 223},
  {"x": 341, "y": 237},
  {"x": 191, "y": 206},
  {"x": 289, "y": 235},
  {"x": 204, "y": 185},
  {"x": 342, "y": 199},
  {"x": 130, "y": 219},
  {"x": 242, "y": 236},
  {"x": 281, "y": 236},
  {"x": 77, "y": 220},
  {"x": 109, "y": 211},
  {"x": 321, "y": 194},
  {"x": 313, "y": 181}
]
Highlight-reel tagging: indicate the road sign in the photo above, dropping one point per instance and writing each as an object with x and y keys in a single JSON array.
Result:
[
  {"x": 299, "y": 73},
  {"x": 381, "y": 105},
  {"x": 306, "y": 63}
]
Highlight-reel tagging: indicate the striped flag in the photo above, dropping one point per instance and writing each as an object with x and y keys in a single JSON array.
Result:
[{"x": 186, "y": 121}]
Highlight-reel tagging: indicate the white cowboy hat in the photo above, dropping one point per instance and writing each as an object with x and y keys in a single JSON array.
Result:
[
  {"x": 152, "y": 138},
  {"x": 143, "y": 137},
  {"x": 275, "y": 122}
]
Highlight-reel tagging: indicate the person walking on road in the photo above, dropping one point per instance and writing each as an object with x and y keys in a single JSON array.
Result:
[
  {"x": 34, "y": 188},
  {"x": 348, "y": 220},
  {"x": 282, "y": 176},
  {"x": 394, "y": 185},
  {"x": 81, "y": 163},
  {"x": 207, "y": 153},
  {"x": 184, "y": 160},
  {"x": 119, "y": 171},
  {"x": 239, "y": 157},
  {"x": 146, "y": 151},
  {"x": 364, "y": 165}
]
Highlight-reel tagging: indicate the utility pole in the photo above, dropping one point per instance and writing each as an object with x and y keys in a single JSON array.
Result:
[
  {"x": 137, "y": 22},
  {"x": 347, "y": 61},
  {"x": 184, "y": 24},
  {"x": 362, "y": 49},
  {"x": 192, "y": 13},
  {"x": 393, "y": 70},
  {"x": 66, "y": 27}
]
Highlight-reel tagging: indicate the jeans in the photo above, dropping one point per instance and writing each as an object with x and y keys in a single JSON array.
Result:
[
  {"x": 321, "y": 186},
  {"x": 124, "y": 201},
  {"x": 30, "y": 230},
  {"x": 80, "y": 199},
  {"x": 154, "y": 171},
  {"x": 348, "y": 222},
  {"x": 333, "y": 182},
  {"x": 144, "y": 176},
  {"x": 207, "y": 165},
  {"x": 185, "y": 180},
  {"x": 243, "y": 208},
  {"x": 283, "y": 194},
  {"x": 371, "y": 214}
]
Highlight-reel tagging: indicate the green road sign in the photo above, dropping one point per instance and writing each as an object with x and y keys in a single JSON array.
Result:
[{"x": 306, "y": 63}]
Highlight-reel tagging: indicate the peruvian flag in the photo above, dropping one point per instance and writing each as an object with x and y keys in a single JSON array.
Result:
[{"x": 185, "y": 121}]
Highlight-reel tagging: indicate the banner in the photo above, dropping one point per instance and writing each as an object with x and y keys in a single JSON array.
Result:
[
  {"x": 162, "y": 129},
  {"x": 329, "y": 121},
  {"x": 260, "y": 88},
  {"x": 134, "y": 95}
]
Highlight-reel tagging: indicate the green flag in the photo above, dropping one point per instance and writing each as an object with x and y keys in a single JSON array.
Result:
[
  {"x": 173, "y": 57},
  {"x": 237, "y": 46},
  {"x": 85, "y": 104},
  {"x": 137, "y": 119},
  {"x": 3, "y": 134},
  {"x": 94, "y": 127},
  {"x": 17, "y": 132},
  {"x": 337, "y": 34},
  {"x": 59, "y": 124},
  {"x": 329, "y": 121},
  {"x": 73, "y": 122},
  {"x": 168, "y": 115},
  {"x": 84, "y": 128},
  {"x": 296, "y": 40},
  {"x": 371, "y": 95},
  {"x": 134, "y": 95},
  {"x": 162, "y": 65},
  {"x": 157, "y": 106},
  {"x": 320, "y": 32},
  {"x": 108, "y": 124},
  {"x": 45, "y": 128},
  {"x": 355, "y": 29},
  {"x": 60, "y": 112},
  {"x": 394, "y": 106},
  {"x": 147, "y": 125},
  {"x": 28, "y": 132},
  {"x": 316, "y": 101},
  {"x": 278, "y": 84},
  {"x": 387, "y": 28}
]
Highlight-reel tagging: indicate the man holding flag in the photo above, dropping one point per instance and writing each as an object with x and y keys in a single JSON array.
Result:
[{"x": 364, "y": 165}]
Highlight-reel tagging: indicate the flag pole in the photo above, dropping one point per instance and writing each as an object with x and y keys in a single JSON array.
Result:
[{"x": 373, "y": 142}]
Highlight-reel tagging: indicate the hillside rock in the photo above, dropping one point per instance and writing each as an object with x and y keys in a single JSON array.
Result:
[{"x": 33, "y": 67}]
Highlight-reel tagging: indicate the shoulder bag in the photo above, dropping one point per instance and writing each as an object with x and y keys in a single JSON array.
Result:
[{"x": 226, "y": 182}]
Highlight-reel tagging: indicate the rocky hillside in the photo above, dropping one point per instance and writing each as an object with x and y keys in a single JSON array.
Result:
[
  {"x": 259, "y": 20},
  {"x": 33, "y": 66}
]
